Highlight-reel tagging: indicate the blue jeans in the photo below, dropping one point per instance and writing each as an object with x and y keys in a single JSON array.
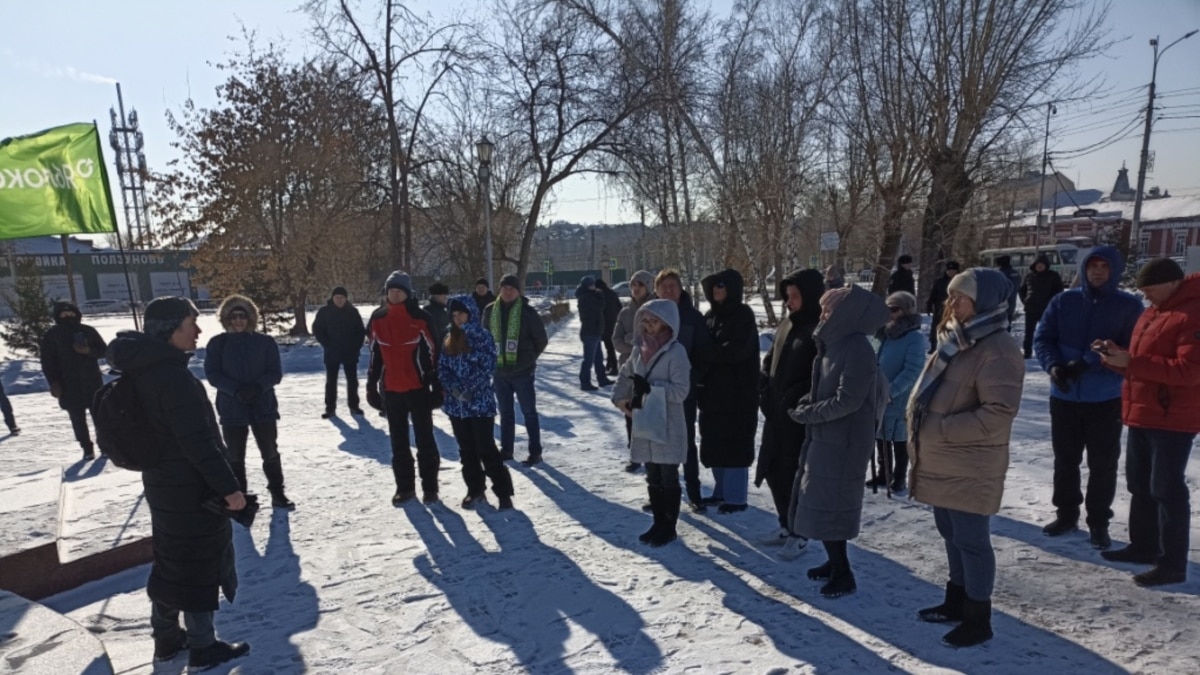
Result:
[
  {"x": 1159, "y": 508},
  {"x": 968, "y": 538},
  {"x": 199, "y": 625},
  {"x": 731, "y": 485},
  {"x": 520, "y": 386},
  {"x": 593, "y": 359}
]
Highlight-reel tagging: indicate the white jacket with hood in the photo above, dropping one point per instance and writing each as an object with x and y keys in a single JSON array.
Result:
[{"x": 669, "y": 369}]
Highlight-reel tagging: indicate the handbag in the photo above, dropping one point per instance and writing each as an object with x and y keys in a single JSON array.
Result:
[{"x": 650, "y": 420}]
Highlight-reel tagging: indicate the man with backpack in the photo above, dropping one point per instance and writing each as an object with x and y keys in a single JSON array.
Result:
[{"x": 194, "y": 560}]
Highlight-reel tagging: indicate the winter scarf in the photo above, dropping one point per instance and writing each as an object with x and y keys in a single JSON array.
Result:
[
  {"x": 651, "y": 344},
  {"x": 898, "y": 328},
  {"x": 952, "y": 339},
  {"x": 781, "y": 332},
  {"x": 506, "y": 348}
]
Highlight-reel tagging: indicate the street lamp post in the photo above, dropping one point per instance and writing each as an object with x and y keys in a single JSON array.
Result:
[
  {"x": 1050, "y": 110},
  {"x": 1135, "y": 230},
  {"x": 483, "y": 149}
]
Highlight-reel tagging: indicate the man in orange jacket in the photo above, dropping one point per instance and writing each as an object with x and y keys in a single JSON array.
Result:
[
  {"x": 401, "y": 381},
  {"x": 1161, "y": 407}
]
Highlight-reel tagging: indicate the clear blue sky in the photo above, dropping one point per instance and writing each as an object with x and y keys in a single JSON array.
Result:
[{"x": 58, "y": 62}]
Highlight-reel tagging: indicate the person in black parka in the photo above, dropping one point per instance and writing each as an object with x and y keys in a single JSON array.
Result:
[
  {"x": 1037, "y": 290},
  {"x": 244, "y": 367},
  {"x": 786, "y": 376},
  {"x": 70, "y": 353},
  {"x": 936, "y": 304},
  {"x": 727, "y": 398},
  {"x": 902, "y": 279},
  {"x": 612, "y": 309},
  {"x": 339, "y": 329},
  {"x": 438, "y": 309},
  {"x": 194, "y": 557},
  {"x": 590, "y": 303},
  {"x": 483, "y": 295}
]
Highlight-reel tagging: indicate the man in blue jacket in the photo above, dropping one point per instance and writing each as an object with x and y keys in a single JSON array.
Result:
[{"x": 1085, "y": 396}]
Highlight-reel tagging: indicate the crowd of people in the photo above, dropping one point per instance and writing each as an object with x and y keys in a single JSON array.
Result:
[{"x": 847, "y": 395}]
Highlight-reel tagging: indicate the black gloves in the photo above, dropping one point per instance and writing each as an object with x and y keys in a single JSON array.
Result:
[
  {"x": 373, "y": 398},
  {"x": 245, "y": 517},
  {"x": 1064, "y": 376},
  {"x": 248, "y": 392},
  {"x": 641, "y": 385},
  {"x": 436, "y": 396}
]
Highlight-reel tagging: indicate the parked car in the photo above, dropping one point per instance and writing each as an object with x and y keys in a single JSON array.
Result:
[{"x": 622, "y": 290}]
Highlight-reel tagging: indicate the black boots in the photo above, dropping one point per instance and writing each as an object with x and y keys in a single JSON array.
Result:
[
  {"x": 168, "y": 645},
  {"x": 1061, "y": 526},
  {"x": 951, "y": 608},
  {"x": 1160, "y": 576},
  {"x": 975, "y": 615},
  {"x": 665, "y": 507},
  {"x": 1130, "y": 554},
  {"x": 835, "y": 572},
  {"x": 976, "y": 626},
  {"x": 216, "y": 654}
]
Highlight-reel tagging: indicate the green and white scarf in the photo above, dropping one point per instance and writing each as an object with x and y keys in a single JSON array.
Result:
[{"x": 506, "y": 349}]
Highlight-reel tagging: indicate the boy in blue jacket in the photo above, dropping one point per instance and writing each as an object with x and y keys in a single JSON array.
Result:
[{"x": 1085, "y": 396}]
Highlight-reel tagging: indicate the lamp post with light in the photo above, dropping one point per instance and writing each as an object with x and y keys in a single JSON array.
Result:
[
  {"x": 1136, "y": 229},
  {"x": 483, "y": 150}
]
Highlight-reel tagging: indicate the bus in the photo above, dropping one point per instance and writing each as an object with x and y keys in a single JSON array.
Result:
[{"x": 1064, "y": 258}]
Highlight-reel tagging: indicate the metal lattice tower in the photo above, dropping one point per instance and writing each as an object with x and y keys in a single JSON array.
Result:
[{"x": 126, "y": 141}]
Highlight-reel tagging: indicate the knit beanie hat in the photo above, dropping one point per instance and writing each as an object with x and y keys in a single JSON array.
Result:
[
  {"x": 164, "y": 315},
  {"x": 457, "y": 305},
  {"x": 340, "y": 290},
  {"x": 399, "y": 280},
  {"x": 587, "y": 282},
  {"x": 905, "y": 259},
  {"x": 510, "y": 280},
  {"x": 439, "y": 289},
  {"x": 482, "y": 280},
  {"x": 987, "y": 287},
  {"x": 953, "y": 265},
  {"x": 904, "y": 301},
  {"x": 1159, "y": 271}
]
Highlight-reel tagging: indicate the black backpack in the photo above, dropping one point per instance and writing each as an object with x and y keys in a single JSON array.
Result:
[{"x": 123, "y": 430}]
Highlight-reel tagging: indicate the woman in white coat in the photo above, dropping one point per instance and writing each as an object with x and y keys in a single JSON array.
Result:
[{"x": 650, "y": 390}]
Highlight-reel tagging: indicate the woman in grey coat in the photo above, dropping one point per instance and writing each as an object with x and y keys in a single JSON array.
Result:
[
  {"x": 641, "y": 291},
  {"x": 841, "y": 416},
  {"x": 650, "y": 390}
]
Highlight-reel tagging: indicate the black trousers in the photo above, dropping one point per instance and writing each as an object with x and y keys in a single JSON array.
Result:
[
  {"x": 79, "y": 425},
  {"x": 781, "y": 476},
  {"x": 1031, "y": 322},
  {"x": 1096, "y": 429},
  {"x": 480, "y": 457},
  {"x": 266, "y": 436},
  {"x": 331, "y": 378},
  {"x": 691, "y": 468},
  {"x": 400, "y": 406},
  {"x": 610, "y": 351},
  {"x": 662, "y": 475},
  {"x": 893, "y": 461}
]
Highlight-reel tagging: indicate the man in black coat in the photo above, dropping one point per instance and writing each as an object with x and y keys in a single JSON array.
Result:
[
  {"x": 902, "y": 279},
  {"x": 520, "y": 339},
  {"x": 439, "y": 312},
  {"x": 483, "y": 295},
  {"x": 1039, "y": 287},
  {"x": 194, "y": 558},
  {"x": 693, "y": 335},
  {"x": 612, "y": 309},
  {"x": 71, "y": 351},
  {"x": 339, "y": 328},
  {"x": 785, "y": 377},
  {"x": 936, "y": 304},
  {"x": 590, "y": 302},
  {"x": 1004, "y": 266}
]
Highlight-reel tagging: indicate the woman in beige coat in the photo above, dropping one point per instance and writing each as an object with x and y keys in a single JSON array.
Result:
[{"x": 960, "y": 418}]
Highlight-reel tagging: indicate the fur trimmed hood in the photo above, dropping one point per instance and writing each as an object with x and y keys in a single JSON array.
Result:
[{"x": 236, "y": 301}]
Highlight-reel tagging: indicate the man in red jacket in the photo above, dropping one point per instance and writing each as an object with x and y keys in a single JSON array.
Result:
[
  {"x": 401, "y": 380},
  {"x": 1161, "y": 407}
]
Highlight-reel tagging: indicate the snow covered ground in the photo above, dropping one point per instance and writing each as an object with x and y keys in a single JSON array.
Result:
[{"x": 348, "y": 583}]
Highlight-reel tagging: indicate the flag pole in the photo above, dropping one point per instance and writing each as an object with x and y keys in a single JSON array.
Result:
[{"x": 67, "y": 262}]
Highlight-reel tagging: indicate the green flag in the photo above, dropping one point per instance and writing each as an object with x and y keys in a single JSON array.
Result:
[{"x": 54, "y": 182}]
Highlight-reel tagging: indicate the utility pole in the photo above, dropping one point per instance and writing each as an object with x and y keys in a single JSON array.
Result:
[{"x": 1050, "y": 110}]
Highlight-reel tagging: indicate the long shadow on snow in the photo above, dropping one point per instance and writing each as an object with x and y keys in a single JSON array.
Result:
[
  {"x": 1074, "y": 546},
  {"x": 880, "y": 608},
  {"x": 372, "y": 442},
  {"x": 792, "y": 632},
  {"x": 523, "y": 595},
  {"x": 274, "y": 604}
]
